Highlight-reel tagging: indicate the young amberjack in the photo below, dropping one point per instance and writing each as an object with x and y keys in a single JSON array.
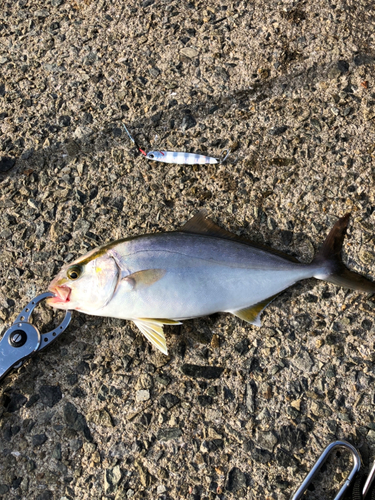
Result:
[{"x": 201, "y": 269}]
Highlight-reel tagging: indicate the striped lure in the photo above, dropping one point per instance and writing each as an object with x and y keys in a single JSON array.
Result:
[{"x": 178, "y": 157}]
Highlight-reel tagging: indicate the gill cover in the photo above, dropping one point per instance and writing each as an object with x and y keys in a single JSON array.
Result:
[{"x": 91, "y": 284}]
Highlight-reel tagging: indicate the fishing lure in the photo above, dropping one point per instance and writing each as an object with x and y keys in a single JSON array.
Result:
[{"x": 179, "y": 157}]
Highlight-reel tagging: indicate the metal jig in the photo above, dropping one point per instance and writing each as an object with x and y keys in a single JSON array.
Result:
[
  {"x": 22, "y": 339},
  {"x": 179, "y": 157}
]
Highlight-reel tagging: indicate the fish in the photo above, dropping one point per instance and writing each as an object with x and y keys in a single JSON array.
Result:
[{"x": 165, "y": 278}]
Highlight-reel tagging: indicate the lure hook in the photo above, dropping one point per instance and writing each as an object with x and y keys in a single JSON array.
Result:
[
  {"x": 133, "y": 141},
  {"x": 224, "y": 155}
]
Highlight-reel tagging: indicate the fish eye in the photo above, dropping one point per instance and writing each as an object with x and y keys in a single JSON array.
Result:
[
  {"x": 74, "y": 272},
  {"x": 151, "y": 155}
]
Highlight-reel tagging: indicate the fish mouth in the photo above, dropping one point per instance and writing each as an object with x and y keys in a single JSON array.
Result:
[{"x": 62, "y": 294}]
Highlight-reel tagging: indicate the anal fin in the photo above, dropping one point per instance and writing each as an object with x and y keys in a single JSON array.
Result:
[
  {"x": 252, "y": 313},
  {"x": 152, "y": 329}
]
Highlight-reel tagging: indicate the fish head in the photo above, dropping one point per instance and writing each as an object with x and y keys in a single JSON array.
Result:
[
  {"x": 156, "y": 155},
  {"x": 86, "y": 285}
]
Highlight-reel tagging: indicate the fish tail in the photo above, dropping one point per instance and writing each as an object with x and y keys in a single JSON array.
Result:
[{"x": 329, "y": 259}]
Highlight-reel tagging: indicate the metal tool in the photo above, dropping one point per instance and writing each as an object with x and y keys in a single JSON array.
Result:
[
  {"x": 369, "y": 482},
  {"x": 323, "y": 457},
  {"x": 22, "y": 339}
]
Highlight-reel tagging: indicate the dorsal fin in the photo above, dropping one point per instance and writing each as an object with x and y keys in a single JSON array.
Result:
[{"x": 201, "y": 224}]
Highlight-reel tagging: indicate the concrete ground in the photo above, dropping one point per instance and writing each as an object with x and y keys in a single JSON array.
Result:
[{"x": 289, "y": 87}]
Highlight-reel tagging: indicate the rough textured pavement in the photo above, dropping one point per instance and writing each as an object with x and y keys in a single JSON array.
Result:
[{"x": 235, "y": 411}]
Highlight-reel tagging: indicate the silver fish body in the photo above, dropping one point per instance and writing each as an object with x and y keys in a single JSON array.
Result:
[
  {"x": 202, "y": 276},
  {"x": 202, "y": 269}
]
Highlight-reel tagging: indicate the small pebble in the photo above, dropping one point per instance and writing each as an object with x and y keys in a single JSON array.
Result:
[{"x": 142, "y": 395}]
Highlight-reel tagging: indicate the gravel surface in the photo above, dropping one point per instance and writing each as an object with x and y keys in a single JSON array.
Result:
[{"x": 234, "y": 411}]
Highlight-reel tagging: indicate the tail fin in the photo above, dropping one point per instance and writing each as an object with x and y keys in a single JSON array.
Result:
[{"x": 330, "y": 254}]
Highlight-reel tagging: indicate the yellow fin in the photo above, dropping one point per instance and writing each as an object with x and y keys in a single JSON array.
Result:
[
  {"x": 160, "y": 321},
  {"x": 154, "y": 333},
  {"x": 144, "y": 278},
  {"x": 252, "y": 313}
]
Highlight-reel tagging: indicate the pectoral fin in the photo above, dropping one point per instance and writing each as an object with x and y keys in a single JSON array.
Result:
[
  {"x": 141, "y": 279},
  {"x": 252, "y": 313},
  {"x": 152, "y": 329}
]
